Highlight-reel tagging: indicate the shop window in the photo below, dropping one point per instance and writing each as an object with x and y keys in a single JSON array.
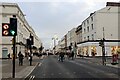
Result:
[
  {"x": 113, "y": 50},
  {"x": 86, "y": 51},
  {"x": 93, "y": 51},
  {"x": 118, "y": 50}
]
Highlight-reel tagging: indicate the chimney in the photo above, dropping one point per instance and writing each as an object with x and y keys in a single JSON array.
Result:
[{"x": 113, "y": 4}]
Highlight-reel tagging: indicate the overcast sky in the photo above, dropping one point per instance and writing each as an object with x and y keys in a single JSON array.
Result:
[{"x": 57, "y": 17}]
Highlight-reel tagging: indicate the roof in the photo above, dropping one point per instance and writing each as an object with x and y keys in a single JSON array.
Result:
[{"x": 113, "y": 4}]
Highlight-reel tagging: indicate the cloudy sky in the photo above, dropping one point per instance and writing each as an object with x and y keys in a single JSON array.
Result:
[{"x": 57, "y": 17}]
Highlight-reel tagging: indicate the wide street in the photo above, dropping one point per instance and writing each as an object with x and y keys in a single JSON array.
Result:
[{"x": 82, "y": 68}]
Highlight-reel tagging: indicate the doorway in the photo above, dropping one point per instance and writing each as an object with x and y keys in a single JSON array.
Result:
[{"x": 4, "y": 52}]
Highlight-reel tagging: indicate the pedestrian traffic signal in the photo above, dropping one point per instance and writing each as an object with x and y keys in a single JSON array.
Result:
[
  {"x": 5, "y": 29},
  {"x": 13, "y": 26},
  {"x": 10, "y": 29}
]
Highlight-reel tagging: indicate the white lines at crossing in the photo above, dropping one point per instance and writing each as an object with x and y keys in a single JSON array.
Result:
[{"x": 31, "y": 77}]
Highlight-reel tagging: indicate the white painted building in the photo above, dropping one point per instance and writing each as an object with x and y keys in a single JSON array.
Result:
[
  {"x": 101, "y": 24},
  {"x": 7, "y": 10},
  {"x": 71, "y": 37}
]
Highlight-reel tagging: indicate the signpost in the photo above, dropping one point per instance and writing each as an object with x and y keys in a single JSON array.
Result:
[
  {"x": 13, "y": 31},
  {"x": 10, "y": 29},
  {"x": 102, "y": 44}
]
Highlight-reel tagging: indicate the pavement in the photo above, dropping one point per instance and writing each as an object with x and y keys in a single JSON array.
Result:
[
  {"x": 21, "y": 71},
  {"x": 98, "y": 61}
]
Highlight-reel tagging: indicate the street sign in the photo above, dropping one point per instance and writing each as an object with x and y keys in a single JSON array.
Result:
[
  {"x": 5, "y": 29},
  {"x": 10, "y": 29}
]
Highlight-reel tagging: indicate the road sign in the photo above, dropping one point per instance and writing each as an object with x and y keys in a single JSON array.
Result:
[
  {"x": 5, "y": 29},
  {"x": 10, "y": 29}
]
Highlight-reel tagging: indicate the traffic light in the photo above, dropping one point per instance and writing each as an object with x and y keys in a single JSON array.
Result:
[
  {"x": 10, "y": 29},
  {"x": 41, "y": 48},
  {"x": 101, "y": 43},
  {"x": 5, "y": 29},
  {"x": 70, "y": 48},
  {"x": 13, "y": 27},
  {"x": 31, "y": 39},
  {"x": 28, "y": 42}
]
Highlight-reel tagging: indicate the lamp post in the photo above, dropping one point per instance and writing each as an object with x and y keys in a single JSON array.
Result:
[{"x": 102, "y": 44}]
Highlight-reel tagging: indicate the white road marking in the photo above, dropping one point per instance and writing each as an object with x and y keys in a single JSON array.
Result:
[
  {"x": 31, "y": 71},
  {"x": 31, "y": 77},
  {"x": 74, "y": 72},
  {"x": 40, "y": 64},
  {"x": 52, "y": 74}
]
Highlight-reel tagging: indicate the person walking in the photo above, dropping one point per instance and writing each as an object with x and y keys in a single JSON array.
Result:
[
  {"x": 21, "y": 57},
  {"x": 75, "y": 50},
  {"x": 8, "y": 55},
  {"x": 61, "y": 56}
]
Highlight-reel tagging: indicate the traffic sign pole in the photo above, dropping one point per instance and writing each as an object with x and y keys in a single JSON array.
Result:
[
  {"x": 14, "y": 43},
  {"x": 103, "y": 54}
]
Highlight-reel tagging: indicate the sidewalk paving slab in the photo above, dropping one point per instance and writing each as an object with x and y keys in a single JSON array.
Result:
[{"x": 21, "y": 71}]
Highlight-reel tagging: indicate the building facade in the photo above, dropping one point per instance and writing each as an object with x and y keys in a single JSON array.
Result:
[
  {"x": 79, "y": 38},
  {"x": 71, "y": 37},
  {"x": 101, "y": 24},
  {"x": 7, "y": 10}
]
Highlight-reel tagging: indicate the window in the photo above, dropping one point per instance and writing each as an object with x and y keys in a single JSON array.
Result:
[
  {"x": 84, "y": 23},
  {"x": 91, "y": 18},
  {"x": 4, "y": 15},
  {"x": 88, "y": 37},
  {"x": 88, "y": 28},
  {"x": 92, "y": 36},
  {"x": 92, "y": 26},
  {"x": 84, "y": 38},
  {"x": 87, "y": 21},
  {"x": 84, "y": 30}
]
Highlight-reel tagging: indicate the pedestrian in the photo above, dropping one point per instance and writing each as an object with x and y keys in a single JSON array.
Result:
[
  {"x": 75, "y": 50},
  {"x": 30, "y": 59},
  {"x": 58, "y": 56},
  {"x": 8, "y": 55},
  {"x": 72, "y": 55},
  {"x": 61, "y": 56},
  {"x": 21, "y": 57},
  {"x": 72, "y": 51}
]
